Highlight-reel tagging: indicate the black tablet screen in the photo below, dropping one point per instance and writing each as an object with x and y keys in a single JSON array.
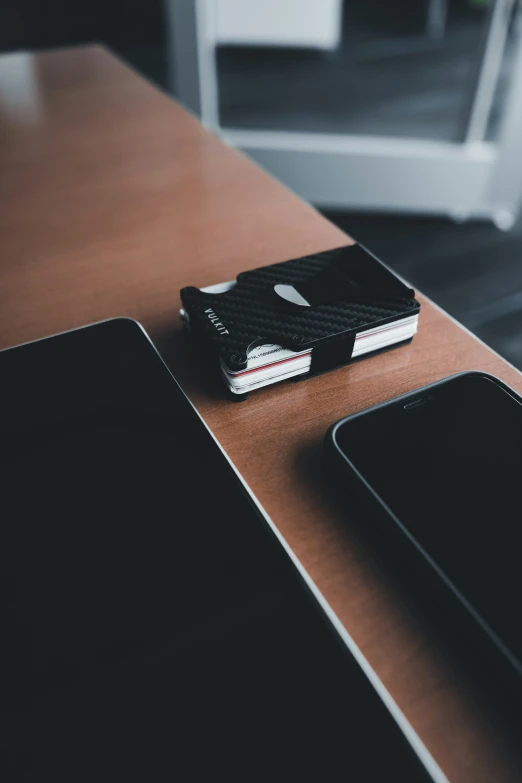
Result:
[{"x": 153, "y": 626}]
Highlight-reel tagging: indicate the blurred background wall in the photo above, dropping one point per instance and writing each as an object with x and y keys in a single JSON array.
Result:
[{"x": 136, "y": 29}]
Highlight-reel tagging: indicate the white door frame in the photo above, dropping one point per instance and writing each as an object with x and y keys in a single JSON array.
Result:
[{"x": 467, "y": 179}]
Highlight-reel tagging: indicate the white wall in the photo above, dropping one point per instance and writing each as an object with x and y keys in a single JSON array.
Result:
[{"x": 307, "y": 23}]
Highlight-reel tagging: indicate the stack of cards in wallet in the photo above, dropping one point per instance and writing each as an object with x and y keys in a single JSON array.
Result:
[
  {"x": 270, "y": 363},
  {"x": 300, "y": 317}
]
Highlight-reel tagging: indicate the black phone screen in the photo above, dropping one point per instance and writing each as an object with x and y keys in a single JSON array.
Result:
[
  {"x": 447, "y": 462},
  {"x": 153, "y": 627}
]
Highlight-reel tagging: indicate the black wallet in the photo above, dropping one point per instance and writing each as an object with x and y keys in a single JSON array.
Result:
[{"x": 300, "y": 317}]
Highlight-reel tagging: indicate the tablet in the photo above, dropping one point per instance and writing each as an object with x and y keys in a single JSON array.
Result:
[{"x": 156, "y": 625}]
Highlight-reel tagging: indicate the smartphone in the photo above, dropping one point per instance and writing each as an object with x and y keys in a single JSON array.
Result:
[{"x": 439, "y": 473}]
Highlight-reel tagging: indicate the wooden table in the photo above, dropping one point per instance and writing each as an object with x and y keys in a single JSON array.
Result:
[{"x": 112, "y": 198}]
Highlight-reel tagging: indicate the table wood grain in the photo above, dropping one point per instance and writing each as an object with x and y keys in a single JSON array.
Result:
[{"x": 112, "y": 198}]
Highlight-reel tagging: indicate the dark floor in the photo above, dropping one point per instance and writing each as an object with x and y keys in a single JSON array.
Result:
[
  {"x": 473, "y": 270},
  {"x": 383, "y": 79},
  {"x": 395, "y": 93}
]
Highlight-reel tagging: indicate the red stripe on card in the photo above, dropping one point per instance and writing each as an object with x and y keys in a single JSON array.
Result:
[{"x": 272, "y": 364}]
